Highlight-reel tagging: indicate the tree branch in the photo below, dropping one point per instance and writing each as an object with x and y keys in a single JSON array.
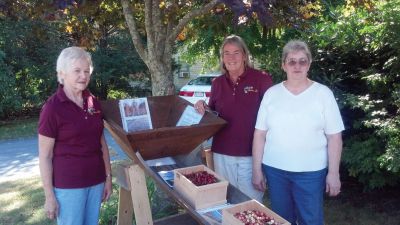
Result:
[
  {"x": 182, "y": 22},
  {"x": 130, "y": 21},
  {"x": 148, "y": 21},
  {"x": 159, "y": 29}
]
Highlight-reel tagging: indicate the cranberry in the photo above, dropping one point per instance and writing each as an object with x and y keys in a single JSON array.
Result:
[
  {"x": 201, "y": 178},
  {"x": 255, "y": 217}
]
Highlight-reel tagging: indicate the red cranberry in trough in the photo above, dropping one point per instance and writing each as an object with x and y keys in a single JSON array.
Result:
[{"x": 201, "y": 178}]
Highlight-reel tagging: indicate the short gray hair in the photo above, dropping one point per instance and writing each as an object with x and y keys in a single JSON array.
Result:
[
  {"x": 67, "y": 56},
  {"x": 296, "y": 46},
  {"x": 238, "y": 41}
]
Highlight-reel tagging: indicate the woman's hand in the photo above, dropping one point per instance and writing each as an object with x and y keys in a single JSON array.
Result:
[
  {"x": 51, "y": 207},
  {"x": 333, "y": 184},
  {"x": 334, "y": 154},
  {"x": 201, "y": 107},
  {"x": 107, "y": 189},
  {"x": 258, "y": 180}
]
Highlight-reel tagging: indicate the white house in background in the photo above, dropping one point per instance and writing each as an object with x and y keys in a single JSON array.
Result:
[{"x": 187, "y": 72}]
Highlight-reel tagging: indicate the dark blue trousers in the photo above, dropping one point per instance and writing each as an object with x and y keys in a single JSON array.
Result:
[{"x": 297, "y": 196}]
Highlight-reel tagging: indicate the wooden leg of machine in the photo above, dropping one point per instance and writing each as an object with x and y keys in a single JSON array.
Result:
[
  {"x": 125, "y": 207},
  {"x": 209, "y": 158},
  {"x": 139, "y": 194}
]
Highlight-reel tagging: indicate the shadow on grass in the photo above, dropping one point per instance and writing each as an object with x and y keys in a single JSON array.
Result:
[
  {"x": 22, "y": 203},
  {"x": 356, "y": 206}
]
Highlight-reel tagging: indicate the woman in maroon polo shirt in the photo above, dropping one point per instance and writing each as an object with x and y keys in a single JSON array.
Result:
[
  {"x": 73, "y": 155},
  {"x": 236, "y": 96}
]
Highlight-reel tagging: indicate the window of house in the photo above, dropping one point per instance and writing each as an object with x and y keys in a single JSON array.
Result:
[{"x": 184, "y": 74}]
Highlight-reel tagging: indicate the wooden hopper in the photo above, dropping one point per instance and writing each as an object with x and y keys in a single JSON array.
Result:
[{"x": 165, "y": 139}]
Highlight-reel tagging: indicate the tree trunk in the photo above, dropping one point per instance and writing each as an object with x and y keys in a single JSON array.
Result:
[
  {"x": 161, "y": 32},
  {"x": 162, "y": 80}
]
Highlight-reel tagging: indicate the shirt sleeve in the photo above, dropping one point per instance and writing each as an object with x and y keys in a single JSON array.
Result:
[
  {"x": 261, "y": 123},
  {"x": 211, "y": 101},
  {"x": 333, "y": 119},
  {"x": 266, "y": 82},
  {"x": 47, "y": 122}
]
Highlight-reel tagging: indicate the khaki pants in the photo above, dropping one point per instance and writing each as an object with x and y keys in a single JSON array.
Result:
[{"x": 238, "y": 171}]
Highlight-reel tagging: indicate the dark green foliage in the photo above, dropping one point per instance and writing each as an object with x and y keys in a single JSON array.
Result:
[
  {"x": 356, "y": 54},
  {"x": 30, "y": 48},
  {"x": 116, "y": 66},
  {"x": 9, "y": 99}
]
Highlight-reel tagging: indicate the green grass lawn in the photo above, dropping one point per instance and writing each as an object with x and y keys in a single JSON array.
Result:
[{"x": 18, "y": 128}]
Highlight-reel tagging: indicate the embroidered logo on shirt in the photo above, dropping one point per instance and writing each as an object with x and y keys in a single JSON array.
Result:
[
  {"x": 248, "y": 89},
  {"x": 91, "y": 110}
]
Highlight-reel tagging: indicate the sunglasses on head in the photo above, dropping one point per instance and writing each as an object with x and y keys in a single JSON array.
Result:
[{"x": 301, "y": 62}]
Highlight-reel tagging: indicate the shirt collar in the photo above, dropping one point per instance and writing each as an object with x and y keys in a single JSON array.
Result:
[
  {"x": 63, "y": 97},
  {"x": 243, "y": 75}
]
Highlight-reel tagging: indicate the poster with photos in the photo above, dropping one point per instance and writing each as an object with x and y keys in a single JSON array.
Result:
[{"x": 135, "y": 114}]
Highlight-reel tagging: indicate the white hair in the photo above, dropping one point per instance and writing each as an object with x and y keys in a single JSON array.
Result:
[{"x": 66, "y": 58}]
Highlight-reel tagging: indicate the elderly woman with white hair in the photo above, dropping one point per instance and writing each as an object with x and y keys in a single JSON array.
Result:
[
  {"x": 73, "y": 155},
  {"x": 297, "y": 141}
]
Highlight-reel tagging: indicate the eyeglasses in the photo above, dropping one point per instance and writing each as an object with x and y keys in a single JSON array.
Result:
[{"x": 301, "y": 62}]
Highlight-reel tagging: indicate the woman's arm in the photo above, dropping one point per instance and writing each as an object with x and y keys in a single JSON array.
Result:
[
  {"x": 106, "y": 157},
  {"x": 334, "y": 154},
  {"x": 46, "y": 146},
  {"x": 258, "y": 152}
]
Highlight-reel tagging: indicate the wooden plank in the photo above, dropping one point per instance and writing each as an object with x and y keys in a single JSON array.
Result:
[
  {"x": 208, "y": 155},
  {"x": 139, "y": 194},
  {"x": 179, "y": 219},
  {"x": 121, "y": 174},
  {"x": 125, "y": 207}
]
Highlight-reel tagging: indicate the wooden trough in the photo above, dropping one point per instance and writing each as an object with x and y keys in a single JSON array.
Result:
[{"x": 165, "y": 139}]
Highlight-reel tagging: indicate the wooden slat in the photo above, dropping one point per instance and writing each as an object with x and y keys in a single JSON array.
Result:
[
  {"x": 125, "y": 207},
  {"x": 140, "y": 195},
  {"x": 120, "y": 172}
]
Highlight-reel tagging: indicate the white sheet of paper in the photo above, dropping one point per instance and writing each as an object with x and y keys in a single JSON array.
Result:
[
  {"x": 161, "y": 161},
  {"x": 189, "y": 117}
]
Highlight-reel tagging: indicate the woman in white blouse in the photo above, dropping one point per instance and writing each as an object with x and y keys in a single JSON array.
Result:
[{"x": 297, "y": 141}]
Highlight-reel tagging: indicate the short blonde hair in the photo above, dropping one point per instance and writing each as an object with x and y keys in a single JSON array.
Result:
[
  {"x": 67, "y": 56},
  {"x": 295, "y": 46},
  {"x": 238, "y": 41}
]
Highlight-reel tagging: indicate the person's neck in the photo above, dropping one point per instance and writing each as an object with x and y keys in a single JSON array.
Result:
[
  {"x": 297, "y": 86},
  {"x": 234, "y": 75},
  {"x": 74, "y": 95}
]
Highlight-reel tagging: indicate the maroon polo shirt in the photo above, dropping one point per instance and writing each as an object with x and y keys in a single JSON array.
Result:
[
  {"x": 237, "y": 104},
  {"x": 77, "y": 155}
]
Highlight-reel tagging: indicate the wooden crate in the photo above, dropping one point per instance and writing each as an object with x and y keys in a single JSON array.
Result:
[
  {"x": 200, "y": 197},
  {"x": 228, "y": 217}
]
